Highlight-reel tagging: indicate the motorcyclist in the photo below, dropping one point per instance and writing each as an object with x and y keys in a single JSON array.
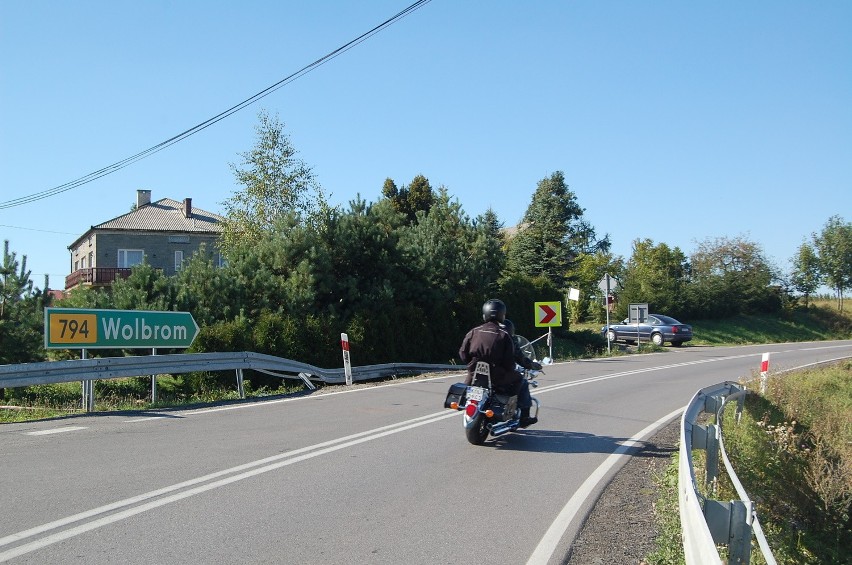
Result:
[
  {"x": 490, "y": 343},
  {"x": 524, "y": 399}
]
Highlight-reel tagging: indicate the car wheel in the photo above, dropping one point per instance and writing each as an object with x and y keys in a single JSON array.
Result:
[
  {"x": 657, "y": 339},
  {"x": 610, "y": 336}
]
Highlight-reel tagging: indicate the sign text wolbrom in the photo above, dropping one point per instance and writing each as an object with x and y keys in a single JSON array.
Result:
[{"x": 107, "y": 329}]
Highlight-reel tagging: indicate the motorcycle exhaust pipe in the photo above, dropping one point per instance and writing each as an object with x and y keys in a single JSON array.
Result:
[{"x": 504, "y": 428}]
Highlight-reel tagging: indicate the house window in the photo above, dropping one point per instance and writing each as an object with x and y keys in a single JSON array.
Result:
[
  {"x": 129, "y": 257},
  {"x": 178, "y": 260},
  {"x": 83, "y": 262}
]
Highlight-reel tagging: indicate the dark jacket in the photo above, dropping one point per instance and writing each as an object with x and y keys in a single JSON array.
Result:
[{"x": 490, "y": 343}]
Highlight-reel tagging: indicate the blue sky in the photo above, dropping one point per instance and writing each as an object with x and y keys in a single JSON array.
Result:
[{"x": 674, "y": 121}]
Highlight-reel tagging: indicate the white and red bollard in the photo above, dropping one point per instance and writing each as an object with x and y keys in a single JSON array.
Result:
[
  {"x": 347, "y": 364},
  {"x": 764, "y": 370}
]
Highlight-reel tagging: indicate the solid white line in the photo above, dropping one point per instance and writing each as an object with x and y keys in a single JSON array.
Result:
[
  {"x": 271, "y": 464},
  {"x": 544, "y": 551},
  {"x": 55, "y": 431}
]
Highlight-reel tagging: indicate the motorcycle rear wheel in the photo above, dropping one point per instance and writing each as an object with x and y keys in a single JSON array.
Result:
[{"x": 477, "y": 431}]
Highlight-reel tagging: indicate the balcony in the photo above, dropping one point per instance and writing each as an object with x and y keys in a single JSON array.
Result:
[{"x": 95, "y": 276}]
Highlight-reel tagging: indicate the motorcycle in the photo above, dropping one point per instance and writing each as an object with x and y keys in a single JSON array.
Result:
[{"x": 485, "y": 410}]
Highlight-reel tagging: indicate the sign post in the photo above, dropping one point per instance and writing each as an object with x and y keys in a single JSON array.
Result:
[
  {"x": 638, "y": 314},
  {"x": 548, "y": 314},
  {"x": 606, "y": 286},
  {"x": 347, "y": 363}
]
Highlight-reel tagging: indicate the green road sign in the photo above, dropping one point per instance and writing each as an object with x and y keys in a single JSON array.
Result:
[{"x": 70, "y": 328}]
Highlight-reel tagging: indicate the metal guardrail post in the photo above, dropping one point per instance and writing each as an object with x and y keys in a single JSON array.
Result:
[
  {"x": 712, "y": 466},
  {"x": 240, "y": 384},
  {"x": 730, "y": 524},
  {"x": 707, "y": 438},
  {"x": 739, "y": 541}
]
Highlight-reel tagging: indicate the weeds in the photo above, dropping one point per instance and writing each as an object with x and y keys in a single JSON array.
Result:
[
  {"x": 793, "y": 453},
  {"x": 63, "y": 399},
  {"x": 669, "y": 543}
]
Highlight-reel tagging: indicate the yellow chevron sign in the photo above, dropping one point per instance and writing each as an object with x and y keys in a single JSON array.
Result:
[{"x": 548, "y": 314}]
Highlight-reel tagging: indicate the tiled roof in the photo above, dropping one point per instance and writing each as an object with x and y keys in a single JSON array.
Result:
[{"x": 166, "y": 215}]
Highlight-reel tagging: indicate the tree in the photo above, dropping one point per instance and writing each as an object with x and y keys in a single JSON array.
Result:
[
  {"x": 732, "y": 276},
  {"x": 834, "y": 245},
  {"x": 805, "y": 276},
  {"x": 587, "y": 273},
  {"x": 21, "y": 312},
  {"x": 275, "y": 182},
  {"x": 552, "y": 233},
  {"x": 408, "y": 200},
  {"x": 657, "y": 275}
]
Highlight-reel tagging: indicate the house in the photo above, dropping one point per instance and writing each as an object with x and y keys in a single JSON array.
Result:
[{"x": 165, "y": 233}]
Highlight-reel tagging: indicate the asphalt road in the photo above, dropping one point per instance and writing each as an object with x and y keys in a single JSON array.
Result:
[{"x": 366, "y": 474}]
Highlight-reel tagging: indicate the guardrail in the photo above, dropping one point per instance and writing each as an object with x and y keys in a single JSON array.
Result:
[
  {"x": 88, "y": 370},
  {"x": 706, "y": 522}
]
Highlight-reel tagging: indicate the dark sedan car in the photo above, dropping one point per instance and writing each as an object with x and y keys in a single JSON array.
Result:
[{"x": 657, "y": 329}]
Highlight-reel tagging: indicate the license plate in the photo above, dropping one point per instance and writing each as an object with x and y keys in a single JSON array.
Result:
[{"x": 474, "y": 393}]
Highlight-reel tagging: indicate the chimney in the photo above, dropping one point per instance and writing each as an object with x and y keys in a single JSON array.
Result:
[
  {"x": 143, "y": 198},
  {"x": 187, "y": 207}
]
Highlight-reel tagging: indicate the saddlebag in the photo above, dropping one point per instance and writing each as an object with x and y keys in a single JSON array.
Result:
[{"x": 455, "y": 394}]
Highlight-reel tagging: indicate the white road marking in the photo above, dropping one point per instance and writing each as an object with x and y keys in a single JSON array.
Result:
[
  {"x": 542, "y": 553},
  {"x": 244, "y": 471},
  {"x": 545, "y": 548},
  {"x": 55, "y": 431}
]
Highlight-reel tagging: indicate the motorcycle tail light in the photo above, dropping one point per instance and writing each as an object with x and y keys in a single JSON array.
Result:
[{"x": 470, "y": 410}]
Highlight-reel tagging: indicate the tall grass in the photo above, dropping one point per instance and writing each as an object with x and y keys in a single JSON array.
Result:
[
  {"x": 62, "y": 399},
  {"x": 792, "y": 450}
]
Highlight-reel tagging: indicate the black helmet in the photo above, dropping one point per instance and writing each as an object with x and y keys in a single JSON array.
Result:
[
  {"x": 494, "y": 310},
  {"x": 509, "y": 327}
]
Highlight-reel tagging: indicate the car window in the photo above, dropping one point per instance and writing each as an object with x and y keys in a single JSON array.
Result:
[{"x": 668, "y": 320}]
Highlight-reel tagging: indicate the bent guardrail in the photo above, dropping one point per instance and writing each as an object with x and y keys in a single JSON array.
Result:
[
  {"x": 706, "y": 522},
  {"x": 50, "y": 372}
]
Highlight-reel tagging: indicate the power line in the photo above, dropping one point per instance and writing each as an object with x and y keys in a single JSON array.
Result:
[
  {"x": 36, "y": 229},
  {"x": 94, "y": 175}
]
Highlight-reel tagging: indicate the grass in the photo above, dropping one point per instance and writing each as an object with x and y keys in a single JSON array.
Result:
[
  {"x": 792, "y": 451},
  {"x": 115, "y": 395},
  {"x": 669, "y": 550}
]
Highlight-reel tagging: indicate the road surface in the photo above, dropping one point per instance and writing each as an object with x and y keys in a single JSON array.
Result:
[{"x": 365, "y": 474}]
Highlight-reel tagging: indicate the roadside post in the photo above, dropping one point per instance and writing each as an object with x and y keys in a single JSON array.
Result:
[
  {"x": 605, "y": 285},
  {"x": 764, "y": 371},
  {"x": 549, "y": 315},
  {"x": 153, "y": 381},
  {"x": 638, "y": 315},
  {"x": 347, "y": 363},
  {"x": 72, "y": 328}
]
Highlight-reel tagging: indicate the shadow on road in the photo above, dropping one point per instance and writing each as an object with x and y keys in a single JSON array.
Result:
[{"x": 551, "y": 441}]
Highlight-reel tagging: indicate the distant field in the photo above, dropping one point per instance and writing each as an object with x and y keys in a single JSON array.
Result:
[{"x": 821, "y": 321}]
